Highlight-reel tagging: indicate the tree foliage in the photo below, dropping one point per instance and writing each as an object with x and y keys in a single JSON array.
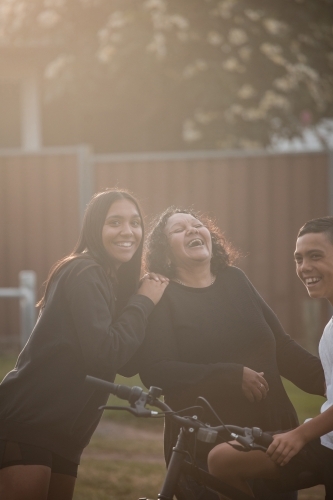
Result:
[{"x": 217, "y": 73}]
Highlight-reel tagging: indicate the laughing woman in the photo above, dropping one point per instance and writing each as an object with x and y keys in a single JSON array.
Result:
[
  {"x": 212, "y": 335},
  {"x": 92, "y": 319}
]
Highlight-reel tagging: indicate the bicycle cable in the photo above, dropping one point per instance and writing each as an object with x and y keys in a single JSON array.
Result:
[
  {"x": 211, "y": 409},
  {"x": 171, "y": 412},
  {"x": 240, "y": 447}
]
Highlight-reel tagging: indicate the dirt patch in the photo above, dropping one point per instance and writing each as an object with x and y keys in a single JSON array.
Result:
[
  {"x": 115, "y": 430},
  {"x": 153, "y": 459},
  {"x": 113, "y": 442}
]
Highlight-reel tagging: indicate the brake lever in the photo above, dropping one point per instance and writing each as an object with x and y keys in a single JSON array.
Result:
[
  {"x": 243, "y": 441},
  {"x": 136, "y": 408},
  {"x": 126, "y": 408},
  {"x": 138, "y": 412},
  {"x": 249, "y": 440}
]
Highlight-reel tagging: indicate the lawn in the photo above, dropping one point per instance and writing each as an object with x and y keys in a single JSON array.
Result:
[
  {"x": 306, "y": 405},
  {"x": 125, "y": 457}
]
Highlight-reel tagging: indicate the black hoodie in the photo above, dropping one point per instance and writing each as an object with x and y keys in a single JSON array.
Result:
[{"x": 44, "y": 401}]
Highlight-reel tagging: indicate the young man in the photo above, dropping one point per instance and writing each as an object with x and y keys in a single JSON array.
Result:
[{"x": 303, "y": 456}]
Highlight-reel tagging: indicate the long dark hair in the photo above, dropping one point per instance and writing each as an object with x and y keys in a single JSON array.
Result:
[
  {"x": 90, "y": 246},
  {"x": 157, "y": 254}
]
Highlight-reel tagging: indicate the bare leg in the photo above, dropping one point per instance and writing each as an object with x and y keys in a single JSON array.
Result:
[
  {"x": 61, "y": 487},
  {"x": 24, "y": 482},
  {"x": 237, "y": 467}
]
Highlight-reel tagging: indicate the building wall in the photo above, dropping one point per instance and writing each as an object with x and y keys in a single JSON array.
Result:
[{"x": 260, "y": 201}]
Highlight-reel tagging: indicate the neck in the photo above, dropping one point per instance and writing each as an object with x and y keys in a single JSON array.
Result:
[{"x": 198, "y": 277}]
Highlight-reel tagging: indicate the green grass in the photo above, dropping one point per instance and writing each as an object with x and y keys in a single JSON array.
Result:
[
  {"x": 306, "y": 405},
  {"x": 7, "y": 363}
]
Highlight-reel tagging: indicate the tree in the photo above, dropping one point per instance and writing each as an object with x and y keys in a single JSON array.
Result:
[{"x": 204, "y": 73}]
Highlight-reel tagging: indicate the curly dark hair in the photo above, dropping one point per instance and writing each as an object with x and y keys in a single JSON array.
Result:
[{"x": 157, "y": 249}]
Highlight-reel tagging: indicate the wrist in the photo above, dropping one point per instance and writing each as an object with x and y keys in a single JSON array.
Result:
[{"x": 302, "y": 434}]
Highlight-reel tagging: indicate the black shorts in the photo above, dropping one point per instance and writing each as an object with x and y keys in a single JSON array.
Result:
[
  {"x": 12, "y": 453},
  {"x": 312, "y": 465}
]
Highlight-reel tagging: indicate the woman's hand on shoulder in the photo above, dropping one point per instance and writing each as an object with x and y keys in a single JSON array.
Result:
[
  {"x": 153, "y": 286},
  {"x": 156, "y": 277},
  {"x": 254, "y": 385}
]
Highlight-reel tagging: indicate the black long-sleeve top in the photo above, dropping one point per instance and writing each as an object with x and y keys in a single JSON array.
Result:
[
  {"x": 199, "y": 339},
  {"x": 44, "y": 401}
]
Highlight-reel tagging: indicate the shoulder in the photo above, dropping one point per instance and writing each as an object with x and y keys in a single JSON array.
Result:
[
  {"x": 82, "y": 269},
  {"x": 232, "y": 273},
  {"x": 236, "y": 281}
]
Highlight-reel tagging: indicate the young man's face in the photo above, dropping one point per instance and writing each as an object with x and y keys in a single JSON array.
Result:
[{"x": 314, "y": 264}]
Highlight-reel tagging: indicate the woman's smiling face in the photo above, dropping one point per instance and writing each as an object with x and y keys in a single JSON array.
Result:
[
  {"x": 189, "y": 240},
  {"x": 122, "y": 231}
]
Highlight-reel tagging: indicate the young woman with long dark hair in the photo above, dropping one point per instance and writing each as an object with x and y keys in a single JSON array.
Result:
[{"x": 92, "y": 320}]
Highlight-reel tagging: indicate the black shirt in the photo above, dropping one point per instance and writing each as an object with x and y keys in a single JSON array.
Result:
[
  {"x": 44, "y": 401},
  {"x": 199, "y": 339}
]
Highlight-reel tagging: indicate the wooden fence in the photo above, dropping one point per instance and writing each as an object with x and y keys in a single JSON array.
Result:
[
  {"x": 39, "y": 221},
  {"x": 260, "y": 201}
]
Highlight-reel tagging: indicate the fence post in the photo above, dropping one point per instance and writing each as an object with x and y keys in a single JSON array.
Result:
[
  {"x": 27, "y": 285},
  {"x": 85, "y": 177}
]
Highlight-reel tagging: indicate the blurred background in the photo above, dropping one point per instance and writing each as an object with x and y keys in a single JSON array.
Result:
[
  {"x": 222, "y": 105},
  {"x": 225, "y": 106}
]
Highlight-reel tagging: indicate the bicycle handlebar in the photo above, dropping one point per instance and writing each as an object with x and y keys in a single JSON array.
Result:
[
  {"x": 130, "y": 394},
  {"x": 138, "y": 399}
]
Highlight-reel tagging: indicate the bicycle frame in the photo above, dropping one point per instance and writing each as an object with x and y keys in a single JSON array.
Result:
[
  {"x": 178, "y": 465},
  {"x": 250, "y": 438}
]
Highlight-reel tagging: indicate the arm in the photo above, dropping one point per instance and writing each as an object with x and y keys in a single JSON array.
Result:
[
  {"x": 294, "y": 363},
  {"x": 105, "y": 344},
  {"x": 161, "y": 364},
  {"x": 287, "y": 445}
]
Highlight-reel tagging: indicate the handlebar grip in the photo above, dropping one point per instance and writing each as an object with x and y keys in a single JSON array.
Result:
[
  {"x": 130, "y": 394},
  {"x": 121, "y": 391}
]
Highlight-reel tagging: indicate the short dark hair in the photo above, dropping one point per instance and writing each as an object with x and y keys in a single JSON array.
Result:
[
  {"x": 157, "y": 245},
  {"x": 90, "y": 246},
  {"x": 321, "y": 225}
]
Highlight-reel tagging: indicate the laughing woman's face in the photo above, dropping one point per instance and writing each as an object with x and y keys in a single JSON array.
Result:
[{"x": 189, "y": 240}]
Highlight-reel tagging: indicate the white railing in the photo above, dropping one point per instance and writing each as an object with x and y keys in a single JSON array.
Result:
[{"x": 26, "y": 292}]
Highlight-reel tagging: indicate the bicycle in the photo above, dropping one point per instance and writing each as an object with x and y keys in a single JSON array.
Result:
[{"x": 250, "y": 438}]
